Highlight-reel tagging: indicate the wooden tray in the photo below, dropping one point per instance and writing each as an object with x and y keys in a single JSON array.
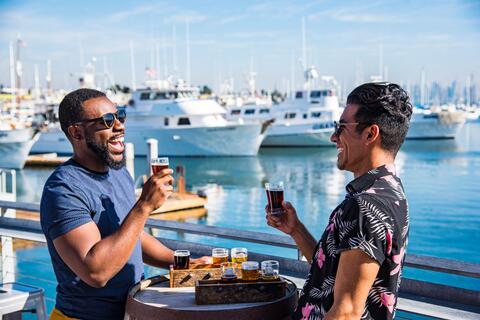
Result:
[
  {"x": 187, "y": 277},
  {"x": 218, "y": 292}
]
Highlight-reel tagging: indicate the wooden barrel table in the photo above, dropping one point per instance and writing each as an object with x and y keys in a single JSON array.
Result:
[{"x": 154, "y": 299}]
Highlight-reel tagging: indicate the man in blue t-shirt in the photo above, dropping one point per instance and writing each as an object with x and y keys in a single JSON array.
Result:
[{"x": 92, "y": 222}]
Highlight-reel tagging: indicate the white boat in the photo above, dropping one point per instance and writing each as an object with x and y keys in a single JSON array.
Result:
[
  {"x": 185, "y": 125},
  {"x": 435, "y": 124},
  {"x": 15, "y": 145}
]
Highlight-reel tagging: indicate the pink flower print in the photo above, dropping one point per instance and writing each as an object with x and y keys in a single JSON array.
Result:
[
  {"x": 371, "y": 190},
  {"x": 397, "y": 203},
  {"x": 320, "y": 258},
  {"x": 331, "y": 226},
  {"x": 307, "y": 310},
  {"x": 398, "y": 260},
  {"x": 389, "y": 242},
  {"x": 388, "y": 300},
  {"x": 391, "y": 168}
]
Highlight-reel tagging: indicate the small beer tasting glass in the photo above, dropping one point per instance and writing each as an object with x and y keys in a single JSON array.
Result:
[
  {"x": 159, "y": 164},
  {"x": 275, "y": 197},
  {"x": 270, "y": 270},
  {"x": 219, "y": 255},
  {"x": 250, "y": 271},
  {"x": 239, "y": 255},
  {"x": 181, "y": 259},
  {"x": 229, "y": 271}
]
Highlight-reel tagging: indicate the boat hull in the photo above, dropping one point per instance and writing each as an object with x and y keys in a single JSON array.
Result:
[
  {"x": 443, "y": 126},
  {"x": 15, "y": 146},
  {"x": 230, "y": 140},
  {"x": 299, "y": 135}
]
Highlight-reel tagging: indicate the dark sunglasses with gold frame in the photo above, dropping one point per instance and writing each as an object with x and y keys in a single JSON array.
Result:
[{"x": 108, "y": 119}]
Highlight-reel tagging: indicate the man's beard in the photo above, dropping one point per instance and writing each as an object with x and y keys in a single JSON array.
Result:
[{"x": 104, "y": 154}]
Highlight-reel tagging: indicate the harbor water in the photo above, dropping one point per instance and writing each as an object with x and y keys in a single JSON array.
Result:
[{"x": 441, "y": 178}]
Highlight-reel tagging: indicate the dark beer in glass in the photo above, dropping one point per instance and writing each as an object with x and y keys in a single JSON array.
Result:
[
  {"x": 181, "y": 259},
  {"x": 158, "y": 164},
  {"x": 275, "y": 197}
]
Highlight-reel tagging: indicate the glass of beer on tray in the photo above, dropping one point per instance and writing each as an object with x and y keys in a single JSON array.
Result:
[
  {"x": 219, "y": 255},
  {"x": 229, "y": 271},
  {"x": 250, "y": 271},
  {"x": 275, "y": 197},
  {"x": 181, "y": 259},
  {"x": 158, "y": 164},
  {"x": 239, "y": 255},
  {"x": 270, "y": 270}
]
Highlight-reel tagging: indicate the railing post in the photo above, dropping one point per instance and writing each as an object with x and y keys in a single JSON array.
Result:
[
  {"x": 152, "y": 152},
  {"x": 8, "y": 262},
  {"x": 130, "y": 158}
]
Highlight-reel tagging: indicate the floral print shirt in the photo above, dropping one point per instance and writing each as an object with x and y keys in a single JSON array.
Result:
[{"x": 373, "y": 218}]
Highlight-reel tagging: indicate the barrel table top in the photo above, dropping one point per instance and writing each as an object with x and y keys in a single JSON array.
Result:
[{"x": 154, "y": 299}]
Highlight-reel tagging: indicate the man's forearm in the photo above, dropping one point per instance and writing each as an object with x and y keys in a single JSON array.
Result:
[
  {"x": 108, "y": 256},
  {"x": 154, "y": 253},
  {"x": 305, "y": 241}
]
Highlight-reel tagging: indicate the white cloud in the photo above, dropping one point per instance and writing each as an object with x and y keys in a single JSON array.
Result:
[{"x": 191, "y": 16}]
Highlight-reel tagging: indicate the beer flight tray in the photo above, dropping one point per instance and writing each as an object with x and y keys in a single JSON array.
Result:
[
  {"x": 217, "y": 292},
  {"x": 187, "y": 277}
]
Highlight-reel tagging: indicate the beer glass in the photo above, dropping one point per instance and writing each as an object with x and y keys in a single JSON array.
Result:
[
  {"x": 275, "y": 197},
  {"x": 250, "y": 271},
  {"x": 219, "y": 255},
  {"x": 181, "y": 259},
  {"x": 229, "y": 271},
  {"x": 270, "y": 270},
  {"x": 158, "y": 164},
  {"x": 239, "y": 255}
]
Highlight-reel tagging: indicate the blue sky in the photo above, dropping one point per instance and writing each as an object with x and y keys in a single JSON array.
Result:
[{"x": 343, "y": 38}]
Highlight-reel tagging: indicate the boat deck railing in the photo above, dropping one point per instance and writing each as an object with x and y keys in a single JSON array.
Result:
[{"x": 417, "y": 297}]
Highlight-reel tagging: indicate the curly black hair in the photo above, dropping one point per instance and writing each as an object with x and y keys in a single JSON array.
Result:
[
  {"x": 388, "y": 106},
  {"x": 70, "y": 110}
]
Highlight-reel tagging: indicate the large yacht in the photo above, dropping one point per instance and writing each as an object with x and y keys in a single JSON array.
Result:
[
  {"x": 185, "y": 125},
  {"x": 303, "y": 120}
]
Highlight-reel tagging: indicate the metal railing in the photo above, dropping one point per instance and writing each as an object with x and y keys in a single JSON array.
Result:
[{"x": 31, "y": 230}]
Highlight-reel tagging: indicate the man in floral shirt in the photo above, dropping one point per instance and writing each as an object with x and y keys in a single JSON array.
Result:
[{"x": 356, "y": 265}]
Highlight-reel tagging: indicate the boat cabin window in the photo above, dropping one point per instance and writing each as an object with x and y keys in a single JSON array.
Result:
[
  {"x": 299, "y": 95},
  {"x": 250, "y": 111},
  {"x": 165, "y": 122},
  {"x": 305, "y": 116},
  {"x": 172, "y": 95},
  {"x": 264, "y": 111},
  {"x": 235, "y": 112},
  {"x": 160, "y": 96},
  {"x": 183, "y": 121},
  {"x": 290, "y": 115},
  {"x": 319, "y": 93},
  {"x": 315, "y": 114},
  {"x": 145, "y": 96}
]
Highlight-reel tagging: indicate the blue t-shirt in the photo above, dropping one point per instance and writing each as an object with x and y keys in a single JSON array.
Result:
[{"x": 73, "y": 196}]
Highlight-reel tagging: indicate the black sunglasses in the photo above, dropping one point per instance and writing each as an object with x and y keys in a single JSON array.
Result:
[
  {"x": 108, "y": 118},
  {"x": 339, "y": 126}
]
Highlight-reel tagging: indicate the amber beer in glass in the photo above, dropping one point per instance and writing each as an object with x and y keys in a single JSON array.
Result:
[
  {"x": 181, "y": 259},
  {"x": 275, "y": 197},
  {"x": 158, "y": 164},
  {"x": 250, "y": 271},
  {"x": 219, "y": 255}
]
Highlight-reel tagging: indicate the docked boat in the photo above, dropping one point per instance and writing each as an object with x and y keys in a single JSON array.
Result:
[
  {"x": 435, "y": 124},
  {"x": 186, "y": 125},
  {"x": 15, "y": 144}
]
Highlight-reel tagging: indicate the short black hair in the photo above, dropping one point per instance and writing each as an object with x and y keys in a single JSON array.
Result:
[
  {"x": 70, "y": 110},
  {"x": 388, "y": 106}
]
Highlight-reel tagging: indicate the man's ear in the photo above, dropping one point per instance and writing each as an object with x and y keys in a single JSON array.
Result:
[
  {"x": 75, "y": 132},
  {"x": 373, "y": 133}
]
